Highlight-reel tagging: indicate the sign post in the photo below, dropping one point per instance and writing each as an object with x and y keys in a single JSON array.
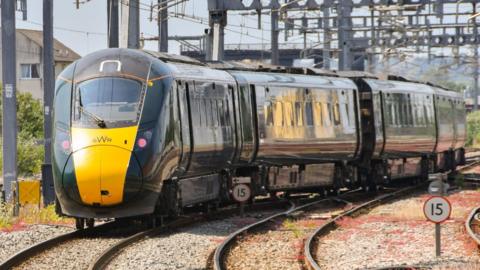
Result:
[
  {"x": 437, "y": 209},
  {"x": 241, "y": 193}
]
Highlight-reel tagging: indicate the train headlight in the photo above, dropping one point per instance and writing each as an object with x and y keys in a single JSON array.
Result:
[
  {"x": 143, "y": 139},
  {"x": 142, "y": 142},
  {"x": 66, "y": 145},
  {"x": 62, "y": 139}
]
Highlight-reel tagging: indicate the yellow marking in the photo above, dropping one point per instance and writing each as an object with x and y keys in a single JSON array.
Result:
[{"x": 101, "y": 158}]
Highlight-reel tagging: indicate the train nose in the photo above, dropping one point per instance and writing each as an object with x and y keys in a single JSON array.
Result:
[{"x": 102, "y": 172}]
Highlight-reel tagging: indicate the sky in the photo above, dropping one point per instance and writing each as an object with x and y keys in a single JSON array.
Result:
[{"x": 84, "y": 29}]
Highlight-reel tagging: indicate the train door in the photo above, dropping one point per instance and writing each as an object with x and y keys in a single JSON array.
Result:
[
  {"x": 212, "y": 126},
  {"x": 185, "y": 124}
]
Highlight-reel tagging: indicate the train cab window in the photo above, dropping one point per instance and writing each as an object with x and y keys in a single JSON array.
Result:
[
  {"x": 63, "y": 98},
  {"x": 111, "y": 101},
  {"x": 309, "y": 113}
]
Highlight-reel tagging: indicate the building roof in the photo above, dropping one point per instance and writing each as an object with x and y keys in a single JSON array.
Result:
[{"x": 61, "y": 52}]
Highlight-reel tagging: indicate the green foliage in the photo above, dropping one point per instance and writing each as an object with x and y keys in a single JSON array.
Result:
[
  {"x": 30, "y": 132},
  {"x": 440, "y": 77},
  {"x": 473, "y": 129},
  {"x": 29, "y": 214},
  {"x": 292, "y": 226}
]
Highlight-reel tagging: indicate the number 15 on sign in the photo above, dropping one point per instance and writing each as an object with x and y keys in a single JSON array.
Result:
[{"x": 437, "y": 209}]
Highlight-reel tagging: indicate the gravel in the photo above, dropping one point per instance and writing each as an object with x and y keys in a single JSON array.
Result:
[
  {"x": 280, "y": 245},
  {"x": 15, "y": 241},
  {"x": 186, "y": 248},
  {"x": 75, "y": 254},
  {"x": 398, "y": 234}
]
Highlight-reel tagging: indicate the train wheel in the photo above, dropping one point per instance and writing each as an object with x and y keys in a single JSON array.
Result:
[
  {"x": 79, "y": 223},
  {"x": 90, "y": 222}
]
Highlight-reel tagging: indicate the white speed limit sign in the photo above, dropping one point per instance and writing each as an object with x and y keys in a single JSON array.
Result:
[
  {"x": 437, "y": 209},
  {"x": 241, "y": 192}
]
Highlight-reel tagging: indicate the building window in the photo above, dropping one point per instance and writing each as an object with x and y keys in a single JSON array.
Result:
[{"x": 29, "y": 71}]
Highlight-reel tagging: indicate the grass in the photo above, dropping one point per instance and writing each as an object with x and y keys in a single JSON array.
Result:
[
  {"x": 293, "y": 227},
  {"x": 29, "y": 214}
]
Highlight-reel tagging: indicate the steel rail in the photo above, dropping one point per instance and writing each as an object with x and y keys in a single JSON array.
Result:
[
  {"x": 221, "y": 250},
  {"x": 31, "y": 251},
  {"x": 474, "y": 214},
  {"x": 332, "y": 223},
  {"x": 468, "y": 166},
  {"x": 102, "y": 261}
]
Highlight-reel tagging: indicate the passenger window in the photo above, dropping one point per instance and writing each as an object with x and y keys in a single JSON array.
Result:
[
  {"x": 221, "y": 112},
  {"x": 278, "y": 114},
  {"x": 425, "y": 112},
  {"x": 214, "y": 112},
  {"x": 299, "y": 113},
  {"x": 196, "y": 115},
  {"x": 288, "y": 114},
  {"x": 268, "y": 113},
  {"x": 329, "y": 113},
  {"x": 308, "y": 113},
  {"x": 318, "y": 117},
  {"x": 336, "y": 114},
  {"x": 347, "y": 114}
]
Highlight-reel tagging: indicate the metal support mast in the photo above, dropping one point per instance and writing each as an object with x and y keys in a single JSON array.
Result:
[
  {"x": 326, "y": 38},
  {"x": 163, "y": 26},
  {"x": 48, "y": 92},
  {"x": 9, "y": 99},
  {"x": 112, "y": 11},
  {"x": 130, "y": 24},
  {"x": 475, "y": 72},
  {"x": 218, "y": 20},
  {"x": 274, "y": 38},
  {"x": 345, "y": 34}
]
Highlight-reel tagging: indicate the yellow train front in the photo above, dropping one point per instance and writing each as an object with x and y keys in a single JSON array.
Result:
[{"x": 103, "y": 143}]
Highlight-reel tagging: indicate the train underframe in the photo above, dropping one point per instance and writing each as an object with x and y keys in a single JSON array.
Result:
[{"x": 215, "y": 189}]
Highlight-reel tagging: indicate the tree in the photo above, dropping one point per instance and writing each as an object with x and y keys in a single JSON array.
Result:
[{"x": 30, "y": 132}]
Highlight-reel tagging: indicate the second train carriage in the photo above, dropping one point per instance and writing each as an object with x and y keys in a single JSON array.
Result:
[{"x": 179, "y": 133}]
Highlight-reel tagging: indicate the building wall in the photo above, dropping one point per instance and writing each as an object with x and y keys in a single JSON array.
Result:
[{"x": 29, "y": 52}]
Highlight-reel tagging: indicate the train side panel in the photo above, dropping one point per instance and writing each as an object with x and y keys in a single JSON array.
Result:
[
  {"x": 212, "y": 116},
  {"x": 408, "y": 118},
  {"x": 304, "y": 119}
]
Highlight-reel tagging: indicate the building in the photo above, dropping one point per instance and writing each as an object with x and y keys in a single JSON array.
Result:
[{"x": 30, "y": 60}]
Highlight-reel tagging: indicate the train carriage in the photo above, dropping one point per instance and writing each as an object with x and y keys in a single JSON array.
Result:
[{"x": 145, "y": 133}]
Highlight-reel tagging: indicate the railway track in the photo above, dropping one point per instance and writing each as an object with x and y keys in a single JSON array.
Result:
[
  {"x": 221, "y": 251},
  {"x": 219, "y": 260},
  {"x": 104, "y": 259},
  {"x": 472, "y": 224},
  {"x": 309, "y": 246},
  {"x": 30, "y": 252}
]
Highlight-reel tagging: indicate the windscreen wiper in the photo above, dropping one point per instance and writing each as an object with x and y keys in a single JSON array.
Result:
[{"x": 100, "y": 122}]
